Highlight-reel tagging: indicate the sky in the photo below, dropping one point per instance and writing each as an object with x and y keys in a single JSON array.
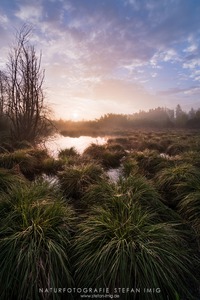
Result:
[{"x": 110, "y": 56}]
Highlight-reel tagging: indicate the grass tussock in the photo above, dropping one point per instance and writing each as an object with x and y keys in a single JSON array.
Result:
[
  {"x": 129, "y": 166},
  {"x": 149, "y": 162},
  {"x": 98, "y": 194},
  {"x": 9, "y": 179},
  {"x": 108, "y": 156},
  {"x": 51, "y": 166},
  {"x": 177, "y": 148},
  {"x": 28, "y": 161},
  {"x": 172, "y": 182},
  {"x": 68, "y": 152},
  {"x": 123, "y": 246},
  {"x": 189, "y": 209},
  {"x": 74, "y": 180},
  {"x": 34, "y": 241},
  {"x": 189, "y": 204}
]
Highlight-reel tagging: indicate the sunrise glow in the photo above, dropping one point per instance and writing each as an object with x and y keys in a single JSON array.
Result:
[
  {"x": 75, "y": 116},
  {"x": 111, "y": 56}
]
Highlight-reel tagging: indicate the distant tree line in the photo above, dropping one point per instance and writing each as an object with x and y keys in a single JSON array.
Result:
[
  {"x": 156, "y": 118},
  {"x": 165, "y": 117}
]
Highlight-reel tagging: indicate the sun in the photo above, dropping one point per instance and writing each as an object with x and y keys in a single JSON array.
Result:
[{"x": 75, "y": 115}]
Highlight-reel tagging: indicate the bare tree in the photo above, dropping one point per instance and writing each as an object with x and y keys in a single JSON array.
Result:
[
  {"x": 3, "y": 92},
  {"x": 25, "y": 102}
]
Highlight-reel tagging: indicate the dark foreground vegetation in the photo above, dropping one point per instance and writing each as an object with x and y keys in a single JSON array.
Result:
[{"x": 65, "y": 223}]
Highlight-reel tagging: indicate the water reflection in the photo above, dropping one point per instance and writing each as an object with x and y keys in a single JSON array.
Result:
[
  {"x": 114, "y": 174},
  {"x": 59, "y": 142}
]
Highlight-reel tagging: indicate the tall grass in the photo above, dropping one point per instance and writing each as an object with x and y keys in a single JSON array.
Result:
[
  {"x": 129, "y": 166},
  {"x": 9, "y": 179},
  {"x": 108, "y": 156},
  {"x": 74, "y": 180},
  {"x": 22, "y": 145},
  {"x": 51, "y": 166},
  {"x": 98, "y": 194},
  {"x": 141, "y": 191},
  {"x": 68, "y": 152},
  {"x": 29, "y": 161},
  {"x": 134, "y": 187},
  {"x": 171, "y": 181},
  {"x": 177, "y": 148},
  {"x": 189, "y": 204},
  {"x": 95, "y": 151},
  {"x": 22, "y": 158},
  {"x": 191, "y": 157},
  {"x": 34, "y": 241},
  {"x": 149, "y": 162},
  {"x": 123, "y": 246},
  {"x": 189, "y": 208}
]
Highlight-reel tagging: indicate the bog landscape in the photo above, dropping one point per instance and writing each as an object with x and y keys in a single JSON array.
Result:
[
  {"x": 105, "y": 206},
  {"x": 125, "y": 212}
]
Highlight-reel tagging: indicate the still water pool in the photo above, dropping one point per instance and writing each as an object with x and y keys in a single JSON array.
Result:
[{"x": 60, "y": 142}]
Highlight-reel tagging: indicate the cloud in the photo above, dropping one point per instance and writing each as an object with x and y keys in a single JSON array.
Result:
[
  {"x": 3, "y": 19},
  {"x": 111, "y": 51},
  {"x": 29, "y": 12},
  {"x": 191, "y": 49},
  {"x": 173, "y": 91},
  {"x": 192, "y": 63},
  {"x": 111, "y": 34}
]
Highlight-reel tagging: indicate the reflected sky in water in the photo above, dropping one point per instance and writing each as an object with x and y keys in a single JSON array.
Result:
[{"x": 59, "y": 142}]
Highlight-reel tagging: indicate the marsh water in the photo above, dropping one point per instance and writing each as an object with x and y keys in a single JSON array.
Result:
[{"x": 60, "y": 142}]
